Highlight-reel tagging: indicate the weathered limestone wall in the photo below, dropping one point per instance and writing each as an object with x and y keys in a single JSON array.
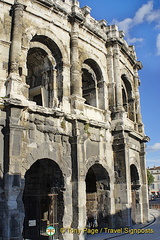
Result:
[
  {"x": 5, "y": 30},
  {"x": 69, "y": 97}
]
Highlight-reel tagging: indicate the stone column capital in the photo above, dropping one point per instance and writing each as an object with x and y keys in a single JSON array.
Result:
[{"x": 18, "y": 6}]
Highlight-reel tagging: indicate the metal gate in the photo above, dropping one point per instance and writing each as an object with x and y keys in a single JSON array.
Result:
[
  {"x": 41, "y": 212},
  {"x": 92, "y": 209},
  {"x": 133, "y": 210}
]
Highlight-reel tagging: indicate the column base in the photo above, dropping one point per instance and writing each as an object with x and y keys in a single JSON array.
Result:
[
  {"x": 77, "y": 104},
  {"x": 16, "y": 88}
]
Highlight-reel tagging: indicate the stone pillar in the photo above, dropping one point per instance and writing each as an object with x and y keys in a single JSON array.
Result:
[
  {"x": 137, "y": 104},
  {"x": 76, "y": 75},
  {"x": 76, "y": 81},
  {"x": 54, "y": 89},
  {"x": 14, "y": 84},
  {"x": 144, "y": 185},
  {"x": 2, "y": 200},
  {"x": 13, "y": 184},
  {"x": 128, "y": 187},
  {"x": 81, "y": 186},
  {"x": 66, "y": 86},
  {"x": 16, "y": 38},
  {"x": 117, "y": 79},
  {"x": 14, "y": 212},
  {"x": 111, "y": 85},
  {"x": 131, "y": 109},
  {"x": 122, "y": 181},
  {"x": 78, "y": 183}
]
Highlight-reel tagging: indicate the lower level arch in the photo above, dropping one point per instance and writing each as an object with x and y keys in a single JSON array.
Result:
[
  {"x": 98, "y": 197},
  {"x": 43, "y": 199}
]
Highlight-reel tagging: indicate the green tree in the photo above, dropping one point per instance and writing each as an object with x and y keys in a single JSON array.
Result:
[{"x": 150, "y": 178}]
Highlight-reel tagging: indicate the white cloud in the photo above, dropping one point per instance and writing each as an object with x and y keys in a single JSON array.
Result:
[
  {"x": 158, "y": 44},
  {"x": 155, "y": 147},
  {"x": 124, "y": 25},
  {"x": 145, "y": 13},
  {"x": 154, "y": 16},
  {"x": 142, "y": 13},
  {"x": 134, "y": 40},
  {"x": 140, "y": 16}
]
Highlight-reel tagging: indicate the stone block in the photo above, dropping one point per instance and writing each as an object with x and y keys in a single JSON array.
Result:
[
  {"x": 57, "y": 138},
  {"x": 92, "y": 149},
  {"x": 14, "y": 226},
  {"x": 16, "y": 145},
  {"x": 65, "y": 106},
  {"x": 16, "y": 180}
]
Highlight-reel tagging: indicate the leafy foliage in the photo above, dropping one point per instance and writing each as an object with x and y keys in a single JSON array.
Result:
[{"x": 150, "y": 178}]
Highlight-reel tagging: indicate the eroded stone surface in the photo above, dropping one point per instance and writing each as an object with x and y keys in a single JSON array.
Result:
[{"x": 72, "y": 139}]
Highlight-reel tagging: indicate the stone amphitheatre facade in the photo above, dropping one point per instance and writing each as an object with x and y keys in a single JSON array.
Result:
[{"x": 72, "y": 138}]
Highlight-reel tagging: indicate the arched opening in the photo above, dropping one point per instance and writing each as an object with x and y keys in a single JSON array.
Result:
[
  {"x": 45, "y": 68},
  {"x": 40, "y": 77},
  {"x": 128, "y": 101},
  {"x": 92, "y": 84},
  {"x": 135, "y": 191},
  {"x": 97, "y": 197},
  {"x": 125, "y": 97},
  {"x": 43, "y": 199}
]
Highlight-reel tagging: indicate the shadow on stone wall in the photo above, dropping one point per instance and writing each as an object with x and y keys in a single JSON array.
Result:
[
  {"x": 16, "y": 217},
  {"x": 119, "y": 220},
  {"x": 1, "y": 206}
]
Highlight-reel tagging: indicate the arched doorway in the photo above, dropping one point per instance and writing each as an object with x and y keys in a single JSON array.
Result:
[
  {"x": 97, "y": 197},
  {"x": 40, "y": 77},
  {"x": 135, "y": 191},
  {"x": 45, "y": 72},
  {"x": 43, "y": 199},
  {"x": 92, "y": 84},
  {"x": 127, "y": 94}
]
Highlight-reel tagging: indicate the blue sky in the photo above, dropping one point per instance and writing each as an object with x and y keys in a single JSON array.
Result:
[{"x": 140, "y": 19}]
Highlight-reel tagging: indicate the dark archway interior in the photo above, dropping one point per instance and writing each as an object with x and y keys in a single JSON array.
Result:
[
  {"x": 97, "y": 197},
  {"x": 91, "y": 83},
  {"x": 57, "y": 55},
  {"x": 125, "y": 99},
  {"x": 40, "y": 77},
  {"x": 135, "y": 191},
  {"x": 128, "y": 101},
  {"x": 127, "y": 85},
  {"x": 45, "y": 70},
  {"x": 134, "y": 175},
  {"x": 91, "y": 182},
  {"x": 89, "y": 87},
  {"x": 43, "y": 199}
]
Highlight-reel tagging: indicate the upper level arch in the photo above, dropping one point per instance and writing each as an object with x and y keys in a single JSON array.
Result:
[
  {"x": 51, "y": 45},
  {"x": 45, "y": 48},
  {"x": 128, "y": 96},
  {"x": 45, "y": 71},
  {"x": 92, "y": 80},
  {"x": 135, "y": 178},
  {"x": 40, "y": 77},
  {"x": 32, "y": 34}
]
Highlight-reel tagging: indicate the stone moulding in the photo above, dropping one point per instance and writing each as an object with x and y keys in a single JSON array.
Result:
[{"x": 71, "y": 132}]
